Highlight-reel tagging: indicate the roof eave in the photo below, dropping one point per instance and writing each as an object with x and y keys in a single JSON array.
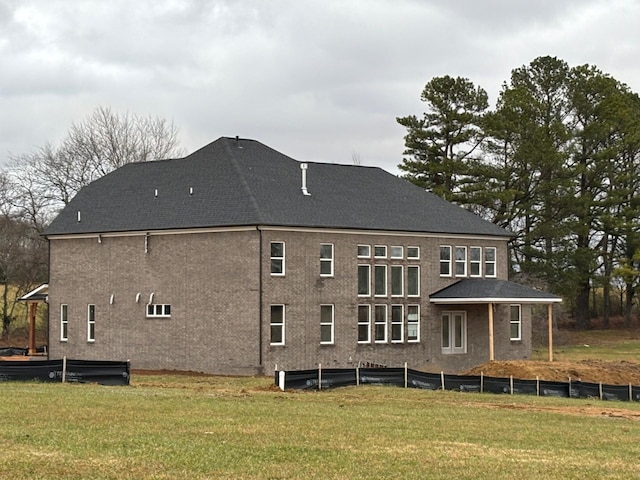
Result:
[{"x": 483, "y": 300}]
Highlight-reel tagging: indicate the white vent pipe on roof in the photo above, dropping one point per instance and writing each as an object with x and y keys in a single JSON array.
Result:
[{"x": 303, "y": 167}]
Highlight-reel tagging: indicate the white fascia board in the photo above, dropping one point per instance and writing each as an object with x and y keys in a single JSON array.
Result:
[{"x": 460, "y": 301}]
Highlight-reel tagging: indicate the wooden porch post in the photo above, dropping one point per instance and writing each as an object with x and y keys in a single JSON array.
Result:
[
  {"x": 33, "y": 306},
  {"x": 491, "y": 351},
  {"x": 550, "y": 319}
]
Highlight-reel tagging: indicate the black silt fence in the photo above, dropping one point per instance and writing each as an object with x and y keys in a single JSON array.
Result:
[
  {"x": 76, "y": 371},
  {"x": 404, "y": 377}
]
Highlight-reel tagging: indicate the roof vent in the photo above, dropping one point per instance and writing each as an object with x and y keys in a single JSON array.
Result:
[{"x": 303, "y": 167}]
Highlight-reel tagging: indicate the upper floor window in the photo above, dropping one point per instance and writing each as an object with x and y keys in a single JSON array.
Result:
[
  {"x": 64, "y": 322},
  {"x": 413, "y": 281},
  {"x": 397, "y": 281},
  {"x": 380, "y": 280},
  {"x": 516, "y": 322},
  {"x": 326, "y": 324},
  {"x": 445, "y": 261},
  {"x": 91, "y": 323},
  {"x": 364, "y": 251},
  {"x": 158, "y": 310},
  {"x": 277, "y": 258},
  {"x": 364, "y": 280},
  {"x": 380, "y": 251},
  {"x": 397, "y": 252},
  {"x": 475, "y": 261},
  {"x": 490, "y": 262},
  {"x": 413, "y": 253},
  {"x": 326, "y": 260},
  {"x": 277, "y": 324},
  {"x": 461, "y": 261}
]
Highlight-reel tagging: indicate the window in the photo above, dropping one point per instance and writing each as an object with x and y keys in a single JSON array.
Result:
[
  {"x": 364, "y": 280},
  {"x": 445, "y": 261},
  {"x": 277, "y": 258},
  {"x": 397, "y": 252},
  {"x": 413, "y": 281},
  {"x": 397, "y": 323},
  {"x": 277, "y": 324},
  {"x": 397, "y": 281},
  {"x": 380, "y": 251},
  {"x": 380, "y": 324},
  {"x": 326, "y": 260},
  {"x": 454, "y": 332},
  {"x": 364, "y": 324},
  {"x": 490, "y": 261},
  {"x": 475, "y": 262},
  {"x": 413, "y": 253},
  {"x": 64, "y": 322},
  {"x": 91, "y": 323},
  {"x": 461, "y": 261},
  {"x": 158, "y": 310},
  {"x": 413, "y": 323},
  {"x": 364, "y": 251},
  {"x": 516, "y": 322},
  {"x": 326, "y": 324},
  {"x": 380, "y": 280}
]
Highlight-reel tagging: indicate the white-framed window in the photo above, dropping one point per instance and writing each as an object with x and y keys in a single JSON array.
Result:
[
  {"x": 326, "y": 324},
  {"x": 413, "y": 323},
  {"x": 64, "y": 322},
  {"x": 445, "y": 261},
  {"x": 91, "y": 323},
  {"x": 364, "y": 323},
  {"x": 413, "y": 281},
  {"x": 380, "y": 323},
  {"x": 516, "y": 322},
  {"x": 490, "y": 261},
  {"x": 158, "y": 310},
  {"x": 397, "y": 280},
  {"x": 326, "y": 259},
  {"x": 461, "y": 261},
  {"x": 364, "y": 251},
  {"x": 397, "y": 252},
  {"x": 397, "y": 323},
  {"x": 277, "y": 259},
  {"x": 454, "y": 332},
  {"x": 413, "y": 253},
  {"x": 380, "y": 251},
  {"x": 277, "y": 324},
  {"x": 380, "y": 280},
  {"x": 475, "y": 261},
  {"x": 364, "y": 280}
]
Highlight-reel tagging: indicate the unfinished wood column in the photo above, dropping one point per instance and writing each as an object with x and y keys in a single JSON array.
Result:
[
  {"x": 33, "y": 306},
  {"x": 550, "y": 319},
  {"x": 491, "y": 351}
]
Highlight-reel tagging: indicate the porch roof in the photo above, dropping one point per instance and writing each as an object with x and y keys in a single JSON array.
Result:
[{"x": 488, "y": 290}]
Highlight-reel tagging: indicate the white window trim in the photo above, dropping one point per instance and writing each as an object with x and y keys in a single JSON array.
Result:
[
  {"x": 375, "y": 255},
  {"x": 327, "y": 260},
  {"x": 375, "y": 281},
  {"x": 64, "y": 322},
  {"x": 91, "y": 323},
  {"x": 475, "y": 262},
  {"x": 518, "y": 322},
  {"x": 401, "y": 268},
  {"x": 368, "y": 267},
  {"x": 450, "y": 273},
  {"x": 412, "y": 322},
  {"x": 282, "y": 325},
  {"x": 401, "y": 323},
  {"x": 368, "y": 323},
  {"x": 417, "y": 257},
  {"x": 331, "y": 324},
  {"x": 396, "y": 257},
  {"x": 456, "y": 261},
  {"x": 165, "y": 310},
  {"x": 412, "y": 267},
  {"x": 452, "y": 349},
  {"x": 368, "y": 255},
  {"x": 282, "y": 259},
  {"x": 494, "y": 262},
  {"x": 385, "y": 323}
]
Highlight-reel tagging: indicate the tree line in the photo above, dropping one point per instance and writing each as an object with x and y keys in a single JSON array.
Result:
[
  {"x": 35, "y": 186},
  {"x": 556, "y": 162}
]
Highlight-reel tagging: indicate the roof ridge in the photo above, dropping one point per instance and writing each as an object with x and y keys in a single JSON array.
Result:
[{"x": 243, "y": 180}]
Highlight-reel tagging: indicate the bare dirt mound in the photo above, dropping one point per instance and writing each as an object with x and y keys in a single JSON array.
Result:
[{"x": 592, "y": 371}]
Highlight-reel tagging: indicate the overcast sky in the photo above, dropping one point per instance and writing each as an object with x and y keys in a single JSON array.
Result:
[{"x": 317, "y": 80}]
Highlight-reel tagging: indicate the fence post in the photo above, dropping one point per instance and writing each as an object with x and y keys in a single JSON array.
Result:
[
  {"x": 537, "y": 386},
  {"x": 511, "y": 384},
  {"x": 630, "y": 392},
  {"x": 601, "y": 391},
  {"x": 442, "y": 379},
  {"x": 481, "y": 382},
  {"x": 281, "y": 379},
  {"x": 358, "y": 375},
  {"x": 406, "y": 375},
  {"x": 64, "y": 369},
  {"x": 319, "y": 376}
]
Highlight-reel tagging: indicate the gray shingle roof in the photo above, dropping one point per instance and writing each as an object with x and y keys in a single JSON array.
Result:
[
  {"x": 490, "y": 290},
  {"x": 243, "y": 182}
]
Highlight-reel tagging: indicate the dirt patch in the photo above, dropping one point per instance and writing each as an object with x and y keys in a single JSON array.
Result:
[{"x": 592, "y": 371}]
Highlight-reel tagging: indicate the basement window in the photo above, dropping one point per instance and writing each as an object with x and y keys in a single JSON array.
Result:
[{"x": 158, "y": 310}]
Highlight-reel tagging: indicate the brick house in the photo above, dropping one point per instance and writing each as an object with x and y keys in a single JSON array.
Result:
[{"x": 238, "y": 258}]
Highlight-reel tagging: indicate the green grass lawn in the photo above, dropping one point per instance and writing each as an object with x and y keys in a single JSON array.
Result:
[
  {"x": 611, "y": 345},
  {"x": 179, "y": 427}
]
